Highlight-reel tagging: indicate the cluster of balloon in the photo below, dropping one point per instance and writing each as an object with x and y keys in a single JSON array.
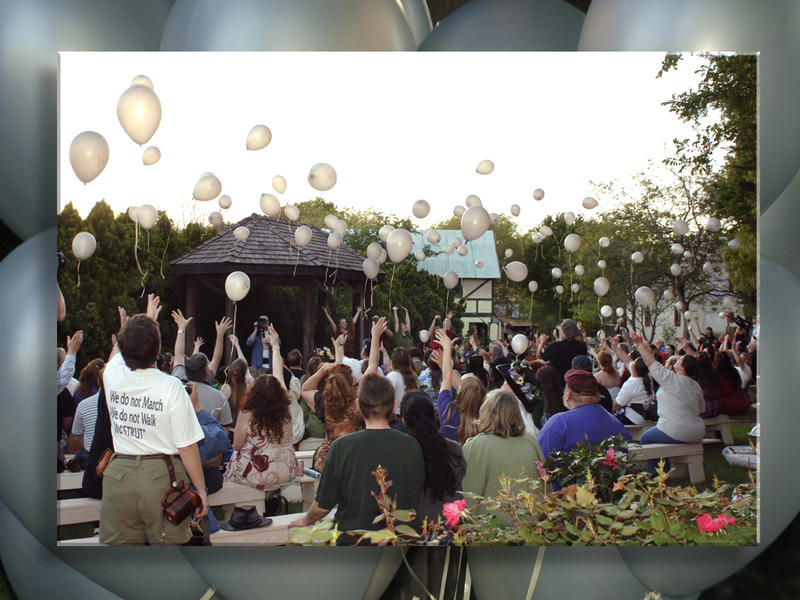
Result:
[
  {"x": 139, "y": 110},
  {"x": 237, "y": 285},
  {"x": 83, "y": 246},
  {"x": 589, "y": 203},
  {"x": 224, "y": 201},
  {"x": 207, "y": 188},
  {"x": 151, "y": 155},
  {"x": 241, "y": 233},
  {"x": 538, "y": 194},
  {"x": 484, "y": 167},
  {"x": 514, "y": 210},
  {"x": 258, "y": 137},
  {"x": 322, "y": 177},
  {"x": 516, "y": 271},
  {"x": 421, "y": 208},
  {"x": 279, "y": 184},
  {"x": 519, "y": 343},
  {"x": 88, "y": 155}
]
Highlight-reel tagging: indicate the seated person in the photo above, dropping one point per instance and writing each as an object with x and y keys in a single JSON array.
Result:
[{"x": 584, "y": 363}]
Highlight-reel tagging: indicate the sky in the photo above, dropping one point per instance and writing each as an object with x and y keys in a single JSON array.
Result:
[{"x": 397, "y": 127}]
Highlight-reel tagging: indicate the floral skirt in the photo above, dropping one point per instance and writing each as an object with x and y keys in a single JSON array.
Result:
[{"x": 263, "y": 466}]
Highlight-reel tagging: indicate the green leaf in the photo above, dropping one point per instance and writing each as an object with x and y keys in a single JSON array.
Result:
[
  {"x": 406, "y": 530},
  {"x": 584, "y": 497},
  {"x": 657, "y": 521},
  {"x": 382, "y": 535},
  {"x": 405, "y": 515},
  {"x": 629, "y": 530},
  {"x": 603, "y": 520},
  {"x": 660, "y": 538}
]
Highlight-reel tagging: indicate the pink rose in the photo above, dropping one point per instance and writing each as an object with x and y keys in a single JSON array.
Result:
[
  {"x": 609, "y": 460},
  {"x": 452, "y": 512},
  {"x": 709, "y": 524},
  {"x": 541, "y": 469}
]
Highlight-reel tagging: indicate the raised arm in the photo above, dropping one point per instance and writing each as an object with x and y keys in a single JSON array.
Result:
[
  {"x": 311, "y": 385},
  {"x": 235, "y": 343},
  {"x": 693, "y": 328},
  {"x": 408, "y": 320},
  {"x": 447, "y": 359},
  {"x": 378, "y": 327},
  {"x": 684, "y": 344},
  {"x": 433, "y": 324},
  {"x": 61, "y": 305},
  {"x": 330, "y": 319},
  {"x": 153, "y": 306},
  {"x": 198, "y": 343},
  {"x": 355, "y": 317},
  {"x": 448, "y": 321},
  {"x": 623, "y": 356},
  {"x": 277, "y": 359},
  {"x": 338, "y": 348},
  {"x": 643, "y": 348},
  {"x": 180, "y": 338},
  {"x": 222, "y": 326},
  {"x": 396, "y": 319}
]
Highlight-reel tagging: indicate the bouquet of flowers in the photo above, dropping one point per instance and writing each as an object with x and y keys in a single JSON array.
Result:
[{"x": 324, "y": 353}]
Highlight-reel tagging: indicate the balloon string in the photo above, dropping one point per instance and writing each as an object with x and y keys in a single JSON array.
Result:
[
  {"x": 337, "y": 266},
  {"x": 327, "y": 264},
  {"x": 296, "y": 260},
  {"x": 391, "y": 283},
  {"x": 169, "y": 233},
  {"x": 78, "y": 273},
  {"x": 233, "y": 349},
  {"x": 530, "y": 311},
  {"x": 447, "y": 301},
  {"x": 136, "y": 247}
]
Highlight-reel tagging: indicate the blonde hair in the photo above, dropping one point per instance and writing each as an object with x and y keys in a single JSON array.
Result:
[
  {"x": 467, "y": 402},
  {"x": 500, "y": 415}
]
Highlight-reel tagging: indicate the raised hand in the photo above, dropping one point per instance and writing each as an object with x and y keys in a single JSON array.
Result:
[
  {"x": 635, "y": 337},
  {"x": 233, "y": 340},
  {"x": 223, "y": 325},
  {"x": 123, "y": 317},
  {"x": 378, "y": 327},
  {"x": 74, "y": 342},
  {"x": 444, "y": 341},
  {"x": 272, "y": 335},
  {"x": 153, "y": 306},
  {"x": 198, "y": 343},
  {"x": 180, "y": 320},
  {"x": 339, "y": 341},
  {"x": 436, "y": 356}
]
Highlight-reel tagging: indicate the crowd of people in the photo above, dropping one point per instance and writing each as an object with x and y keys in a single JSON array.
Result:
[{"x": 449, "y": 415}]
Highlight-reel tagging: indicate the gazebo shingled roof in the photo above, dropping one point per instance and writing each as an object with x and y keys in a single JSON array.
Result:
[{"x": 270, "y": 250}]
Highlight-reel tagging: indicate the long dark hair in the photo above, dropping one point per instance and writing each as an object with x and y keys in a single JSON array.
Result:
[
  {"x": 707, "y": 377},
  {"x": 401, "y": 362},
  {"x": 724, "y": 366},
  {"x": 417, "y": 413},
  {"x": 640, "y": 370},
  {"x": 475, "y": 366},
  {"x": 550, "y": 380},
  {"x": 90, "y": 377},
  {"x": 269, "y": 404}
]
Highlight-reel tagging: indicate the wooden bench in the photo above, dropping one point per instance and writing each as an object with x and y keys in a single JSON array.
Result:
[
  {"x": 721, "y": 424},
  {"x": 636, "y": 431},
  {"x": 690, "y": 455}
]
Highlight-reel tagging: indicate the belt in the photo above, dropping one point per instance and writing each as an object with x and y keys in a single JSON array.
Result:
[{"x": 145, "y": 456}]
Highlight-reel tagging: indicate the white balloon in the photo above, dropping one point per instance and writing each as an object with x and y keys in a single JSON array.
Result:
[
  {"x": 237, "y": 284},
  {"x": 601, "y": 286},
  {"x": 572, "y": 242},
  {"x": 485, "y": 167},
  {"x": 463, "y": 250},
  {"x": 456, "y": 242},
  {"x": 473, "y": 200},
  {"x": 398, "y": 245},
  {"x": 448, "y": 249},
  {"x": 478, "y": 264},
  {"x": 133, "y": 212},
  {"x": 675, "y": 269},
  {"x": 604, "y": 242},
  {"x": 270, "y": 205},
  {"x": 708, "y": 268},
  {"x": 589, "y": 202},
  {"x": 713, "y": 224},
  {"x": 606, "y": 311},
  {"x": 371, "y": 268},
  {"x": 516, "y": 271},
  {"x": 676, "y": 249},
  {"x": 142, "y": 80},
  {"x": 519, "y": 343},
  {"x": 667, "y": 295},
  {"x": 433, "y": 237},
  {"x": 322, "y": 177},
  {"x": 537, "y": 238},
  {"x": 241, "y": 233},
  {"x": 207, "y": 187},
  {"x": 575, "y": 288},
  {"x": 292, "y": 212},
  {"x": 458, "y": 211},
  {"x": 384, "y": 256},
  {"x": 384, "y": 232},
  {"x": 579, "y": 270},
  {"x": 83, "y": 245},
  {"x": 151, "y": 155},
  {"x": 224, "y": 201},
  {"x": 474, "y": 222},
  {"x": 734, "y": 244},
  {"x": 680, "y": 227},
  {"x": 419, "y": 255},
  {"x": 601, "y": 264},
  {"x": 514, "y": 210},
  {"x": 509, "y": 253},
  {"x": 545, "y": 231},
  {"x": 620, "y": 311},
  {"x": 644, "y": 295},
  {"x": 687, "y": 315},
  {"x": 556, "y": 272},
  {"x": 569, "y": 218},
  {"x": 279, "y": 184},
  {"x": 538, "y": 194},
  {"x": 687, "y": 254},
  {"x": 722, "y": 314},
  {"x": 215, "y": 218},
  {"x": 532, "y": 286},
  {"x": 302, "y": 235},
  {"x": 374, "y": 250},
  {"x": 147, "y": 216},
  {"x": 559, "y": 289},
  {"x": 421, "y": 208},
  {"x": 139, "y": 112},
  {"x": 729, "y": 302},
  {"x": 450, "y": 279},
  {"x": 330, "y": 220},
  {"x": 340, "y": 227},
  {"x": 88, "y": 155},
  {"x": 637, "y": 257},
  {"x": 424, "y": 336},
  {"x": 258, "y": 137},
  {"x": 334, "y": 240},
  {"x": 493, "y": 218}
]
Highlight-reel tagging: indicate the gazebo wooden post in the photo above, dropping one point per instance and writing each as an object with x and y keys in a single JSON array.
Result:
[
  {"x": 308, "y": 319},
  {"x": 191, "y": 309},
  {"x": 321, "y": 321}
]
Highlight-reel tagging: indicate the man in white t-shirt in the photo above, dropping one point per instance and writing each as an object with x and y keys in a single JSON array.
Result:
[{"x": 151, "y": 417}]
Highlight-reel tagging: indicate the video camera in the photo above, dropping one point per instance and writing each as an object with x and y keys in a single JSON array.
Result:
[{"x": 261, "y": 324}]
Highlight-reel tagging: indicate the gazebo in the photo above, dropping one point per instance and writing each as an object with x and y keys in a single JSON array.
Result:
[{"x": 270, "y": 257}]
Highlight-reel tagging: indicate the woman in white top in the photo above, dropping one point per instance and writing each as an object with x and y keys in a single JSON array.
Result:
[
  {"x": 637, "y": 390},
  {"x": 608, "y": 376},
  {"x": 402, "y": 376}
]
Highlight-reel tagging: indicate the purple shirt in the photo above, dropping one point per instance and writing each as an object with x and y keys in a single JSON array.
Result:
[
  {"x": 564, "y": 430},
  {"x": 448, "y": 422}
]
